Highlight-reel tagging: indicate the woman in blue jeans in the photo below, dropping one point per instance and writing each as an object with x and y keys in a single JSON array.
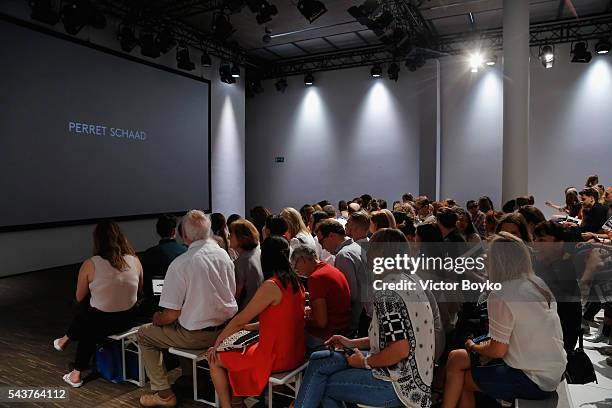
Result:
[{"x": 397, "y": 369}]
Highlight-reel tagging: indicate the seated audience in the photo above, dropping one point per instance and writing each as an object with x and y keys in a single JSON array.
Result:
[
  {"x": 447, "y": 223},
  {"x": 275, "y": 225},
  {"x": 524, "y": 333},
  {"x": 485, "y": 204},
  {"x": 343, "y": 212},
  {"x": 220, "y": 233},
  {"x": 521, "y": 202},
  {"x": 555, "y": 266},
  {"x": 155, "y": 260},
  {"x": 232, "y": 218},
  {"x": 533, "y": 216},
  {"x": 509, "y": 207},
  {"x": 365, "y": 201},
  {"x": 358, "y": 226},
  {"x": 353, "y": 207},
  {"x": 572, "y": 203},
  {"x": 351, "y": 260},
  {"x": 329, "y": 297},
  {"x": 466, "y": 227},
  {"x": 407, "y": 198},
  {"x": 478, "y": 218},
  {"x": 491, "y": 220},
  {"x": 111, "y": 279},
  {"x": 298, "y": 233},
  {"x": 198, "y": 297},
  {"x": 424, "y": 211},
  {"x": 594, "y": 214},
  {"x": 397, "y": 368},
  {"x": 381, "y": 219},
  {"x": 279, "y": 307},
  {"x": 591, "y": 181},
  {"x": 515, "y": 224},
  {"x": 259, "y": 215},
  {"x": 306, "y": 212},
  {"x": 244, "y": 239},
  {"x": 323, "y": 254}
]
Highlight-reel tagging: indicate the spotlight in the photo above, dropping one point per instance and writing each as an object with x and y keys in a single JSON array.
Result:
[
  {"x": 148, "y": 44},
  {"x": 206, "y": 61},
  {"x": 281, "y": 85},
  {"x": 311, "y": 9},
  {"x": 308, "y": 79},
  {"x": 393, "y": 72},
  {"x": 222, "y": 28},
  {"x": 581, "y": 52},
  {"x": 43, "y": 10},
  {"x": 490, "y": 60},
  {"x": 165, "y": 40},
  {"x": 76, "y": 14},
  {"x": 127, "y": 38},
  {"x": 475, "y": 62},
  {"x": 182, "y": 59},
  {"x": 547, "y": 56},
  {"x": 264, "y": 10},
  {"x": 603, "y": 46},
  {"x": 225, "y": 74},
  {"x": 235, "y": 71},
  {"x": 376, "y": 71}
]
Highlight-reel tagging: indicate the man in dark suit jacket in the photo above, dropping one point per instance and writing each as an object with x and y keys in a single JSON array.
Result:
[
  {"x": 595, "y": 215},
  {"x": 155, "y": 260}
]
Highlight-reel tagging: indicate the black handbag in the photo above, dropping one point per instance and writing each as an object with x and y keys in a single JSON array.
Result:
[{"x": 579, "y": 369}]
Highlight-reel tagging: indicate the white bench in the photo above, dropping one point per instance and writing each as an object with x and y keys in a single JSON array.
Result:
[
  {"x": 560, "y": 399},
  {"x": 196, "y": 356},
  {"x": 291, "y": 379},
  {"x": 127, "y": 339}
]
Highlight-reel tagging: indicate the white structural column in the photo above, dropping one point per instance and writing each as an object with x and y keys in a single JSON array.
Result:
[{"x": 516, "y": 99}]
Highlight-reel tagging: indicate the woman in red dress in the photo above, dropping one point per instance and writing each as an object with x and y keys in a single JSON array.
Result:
[{"x": 279, "y": 306}]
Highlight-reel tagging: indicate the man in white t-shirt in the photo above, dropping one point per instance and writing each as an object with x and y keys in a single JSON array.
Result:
[{"x": 198, "y": 297}]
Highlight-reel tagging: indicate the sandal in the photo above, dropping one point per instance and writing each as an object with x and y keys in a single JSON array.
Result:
[
  {"x": 56, "y": 345},
  {"x": 68, "y": 381}
]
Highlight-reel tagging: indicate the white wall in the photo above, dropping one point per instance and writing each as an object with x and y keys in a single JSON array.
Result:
[
  {"x": 570, "y": 125},
  {"x": 37, "y": 249},
  {"x": 343, "y": 137}
]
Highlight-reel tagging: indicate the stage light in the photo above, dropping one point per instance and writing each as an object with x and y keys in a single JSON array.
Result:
[
  {"x": 581, "y": 52},
  {"x": 603, "y": 46},
  {"x": 127, "y": 38},
  {"x": 393, "y": 72},
  {"x": 311, "y": 9},
  {"x": 148, "y": 44},
  {"x": 376, "y": 71},
  {"x": 235, "y": 71},
  {"x": 309, "y": 79},
  {"x": 76, "y": 14},
  {"x": 266, "y": 12},
  {"x": 476, "y": 61},
  {"x": 490, "y": 60},
  {"x": 165, "y": 40},
  {"x": 281, "y": 85},
  {"x": 547, "y": 56},
  {"x": 206, "y": 61},
  {"x": 183, "y": 61},
  {"x": 225, "y": 74},
  {"x": 222, "y": 28},
  {"x": 43, "y": 11}
]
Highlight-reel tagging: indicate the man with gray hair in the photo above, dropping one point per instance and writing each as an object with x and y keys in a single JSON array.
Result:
[
  {"x": 198, "y": 297},
  {"x": 329, "y": 296}
]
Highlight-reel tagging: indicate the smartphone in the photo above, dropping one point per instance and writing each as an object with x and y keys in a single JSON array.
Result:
[{"x": 482, "y": 338}]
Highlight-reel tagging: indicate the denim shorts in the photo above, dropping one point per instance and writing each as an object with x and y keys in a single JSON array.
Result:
[{"x": 500, "y": 381}]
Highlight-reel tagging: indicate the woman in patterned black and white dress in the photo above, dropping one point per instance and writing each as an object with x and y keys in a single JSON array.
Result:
[{"x": 397, "y": 368}]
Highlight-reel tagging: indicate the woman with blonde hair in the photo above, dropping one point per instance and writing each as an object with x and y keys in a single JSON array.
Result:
[
  {"x": 525, "y": 334},
  {"x": 297, "y": 229}
]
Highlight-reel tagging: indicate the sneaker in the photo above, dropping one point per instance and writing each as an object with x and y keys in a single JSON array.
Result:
[{"x": 154, "y": 400}]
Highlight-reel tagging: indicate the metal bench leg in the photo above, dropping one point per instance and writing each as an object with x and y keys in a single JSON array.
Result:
[
  {"x": 298, "y": 382},
  {"x": 141, "y": 370},
  {"x": 195, "y": 380},
  {"x": 270, "y": 393},
  {"x": 123, "y": 368}
]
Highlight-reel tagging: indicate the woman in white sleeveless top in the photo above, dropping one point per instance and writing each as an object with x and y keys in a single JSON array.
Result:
[{"x": 112, "y": 279}]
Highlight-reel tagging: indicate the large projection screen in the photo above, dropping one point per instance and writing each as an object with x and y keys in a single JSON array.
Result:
[{"x": 86, "y": 133}]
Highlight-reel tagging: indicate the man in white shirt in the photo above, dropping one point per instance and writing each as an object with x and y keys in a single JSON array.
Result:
[{"x": 198, "y": 297}]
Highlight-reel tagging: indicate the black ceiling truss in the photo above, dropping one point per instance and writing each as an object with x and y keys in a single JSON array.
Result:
[
  {"x": 153, "y": 14},
  {"x": 557, "y": 32}
]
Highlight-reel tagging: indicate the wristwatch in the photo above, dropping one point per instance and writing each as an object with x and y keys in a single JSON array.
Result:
[{"x": 365, "y": 363}]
